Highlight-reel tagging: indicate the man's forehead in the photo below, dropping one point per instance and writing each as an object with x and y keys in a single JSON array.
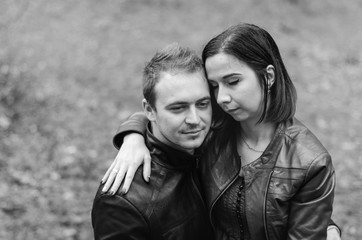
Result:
[
  {"x": 182, "y": 78},
  {"x": 181, "y": 87},
  {"x": 180, "y": 72}
]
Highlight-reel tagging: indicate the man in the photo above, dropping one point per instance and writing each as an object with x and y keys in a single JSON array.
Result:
[{"x": 177, "y": 104}]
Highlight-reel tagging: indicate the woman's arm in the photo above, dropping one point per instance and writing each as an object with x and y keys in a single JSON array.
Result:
[
  {"x": 137, "y": 123},
  {"x": 132, "y": 153},
  {"x": 311, "y": 207}
]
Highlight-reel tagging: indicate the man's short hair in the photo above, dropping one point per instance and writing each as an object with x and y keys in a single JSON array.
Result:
[{"x": 171, "y": 59}]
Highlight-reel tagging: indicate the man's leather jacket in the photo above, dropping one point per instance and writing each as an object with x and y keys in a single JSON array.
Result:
[{"x": 170, "y": 206}]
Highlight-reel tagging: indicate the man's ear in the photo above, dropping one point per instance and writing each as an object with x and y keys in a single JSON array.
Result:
[
  {"x": 270, "y": 75},
  {"x": 148, "y": 110}
]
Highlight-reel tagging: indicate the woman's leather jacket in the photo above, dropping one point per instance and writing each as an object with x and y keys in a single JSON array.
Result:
[{"x": 289, "y": 189}]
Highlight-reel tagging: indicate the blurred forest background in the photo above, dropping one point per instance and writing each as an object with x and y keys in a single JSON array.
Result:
[{"x": 70, "y": 71}]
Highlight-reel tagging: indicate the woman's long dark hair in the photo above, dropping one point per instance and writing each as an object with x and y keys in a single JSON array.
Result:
[{"x": 255, "y": 47}]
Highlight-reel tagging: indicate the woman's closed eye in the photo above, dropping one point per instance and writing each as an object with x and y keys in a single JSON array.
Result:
[{"x": 233, "y": 81}]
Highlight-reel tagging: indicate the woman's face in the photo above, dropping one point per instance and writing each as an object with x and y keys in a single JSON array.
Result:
[{"x": 236, "y": 87}]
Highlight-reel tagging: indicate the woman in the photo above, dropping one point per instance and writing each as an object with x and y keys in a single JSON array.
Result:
[{"x": 265, "y": 175}]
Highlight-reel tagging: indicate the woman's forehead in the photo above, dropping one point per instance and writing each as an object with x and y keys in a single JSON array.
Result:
[{"x": 224, "y": 65}]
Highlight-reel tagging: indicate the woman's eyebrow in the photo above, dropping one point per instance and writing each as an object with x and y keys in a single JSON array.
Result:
[
  {"x": 231, "y": 75},
  {"x": 226, "y": 76}
]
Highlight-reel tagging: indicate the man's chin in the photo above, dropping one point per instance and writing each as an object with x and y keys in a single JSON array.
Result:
[{"x": 192, "y": 144}]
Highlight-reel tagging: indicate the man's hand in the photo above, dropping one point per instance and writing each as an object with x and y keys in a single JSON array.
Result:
[{"x": 131, "y": 155}]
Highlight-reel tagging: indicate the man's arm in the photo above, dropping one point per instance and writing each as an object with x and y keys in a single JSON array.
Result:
[{"x": 114, "y": 218}]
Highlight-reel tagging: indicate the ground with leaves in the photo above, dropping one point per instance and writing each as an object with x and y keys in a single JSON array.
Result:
[{"x": 70, "y": 71}]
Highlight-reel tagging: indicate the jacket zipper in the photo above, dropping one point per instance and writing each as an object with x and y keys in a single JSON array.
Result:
[
  {"x": 221, "y": 193},
  {"x": 264, "y": 207},
  {"x": 197, "y": 190}
]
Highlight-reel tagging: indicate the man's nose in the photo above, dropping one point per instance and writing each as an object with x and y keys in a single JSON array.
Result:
[{"x": 193, "y": 116}]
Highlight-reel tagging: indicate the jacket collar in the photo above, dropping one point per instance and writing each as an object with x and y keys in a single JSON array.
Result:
[
  {"x": 168, "y": 156},
  {"x": 274, "y": 146}
]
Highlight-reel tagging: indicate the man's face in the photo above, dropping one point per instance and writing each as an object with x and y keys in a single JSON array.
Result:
[{"x": 182, "y": 114}]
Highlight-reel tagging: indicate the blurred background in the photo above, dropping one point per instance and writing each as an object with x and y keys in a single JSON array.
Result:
[{"x": 70, "y": 72}]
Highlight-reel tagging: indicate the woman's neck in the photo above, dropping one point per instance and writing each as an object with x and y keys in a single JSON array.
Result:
[
  {"x": 257, "y": 133},
  {"x": 253, "y": 139}
]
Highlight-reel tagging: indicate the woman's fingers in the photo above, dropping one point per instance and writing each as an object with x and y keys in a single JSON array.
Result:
[
  {"x": 110, "y": 180},
  {"x": 129, "y": 178},
  {"x": 118, "y": 180},
  {"x": 105, "y": 177},
  {"x": 147, "y": 167}
]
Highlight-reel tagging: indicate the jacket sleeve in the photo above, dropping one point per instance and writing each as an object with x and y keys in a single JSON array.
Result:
[
  {"x": 311, "y": 207},
  {"x": 137, "y": 122},
  {"x": 115, "y": 218}
]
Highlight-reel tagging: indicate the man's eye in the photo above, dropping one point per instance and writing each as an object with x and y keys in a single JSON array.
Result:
[
  {"x": 176, "y": 109},
  {"x": 204, "y": 104}
]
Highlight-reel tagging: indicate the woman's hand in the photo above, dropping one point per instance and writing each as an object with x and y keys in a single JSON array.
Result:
[
  {"x": 333, "y": 233},
  {"x": 131, "y": 155}
]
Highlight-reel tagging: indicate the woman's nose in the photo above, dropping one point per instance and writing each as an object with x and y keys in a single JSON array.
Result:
[{"x": 222, "y": 96}]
